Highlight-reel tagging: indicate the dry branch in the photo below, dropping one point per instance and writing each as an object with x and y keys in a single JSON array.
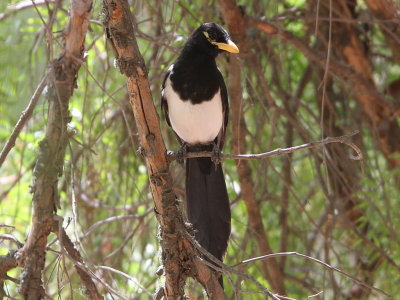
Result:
[
  {"x": 49, "y": 165},
  {"x": 120, "y": 32},
  {"x": 340, "y": 139},
  {"x": 206, "y": 278}
]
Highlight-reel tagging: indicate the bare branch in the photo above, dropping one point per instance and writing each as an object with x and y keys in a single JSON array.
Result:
[
  {"x": 22, "y": 5},
  {"x": 25, "y": 116},
  {"x": 340, "y": 139}
]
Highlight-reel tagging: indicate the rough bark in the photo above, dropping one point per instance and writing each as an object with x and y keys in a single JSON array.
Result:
[{"x": 120, "y": 31}]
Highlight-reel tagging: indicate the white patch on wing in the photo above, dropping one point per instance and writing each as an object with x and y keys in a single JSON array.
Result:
[{"x": 194, "y": 123}]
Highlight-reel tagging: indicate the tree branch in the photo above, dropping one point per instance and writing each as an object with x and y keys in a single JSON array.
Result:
[{"x": 49, "y": 164}]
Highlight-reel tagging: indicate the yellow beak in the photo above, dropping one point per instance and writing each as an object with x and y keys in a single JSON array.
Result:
[{"x": 230, "y": 46}]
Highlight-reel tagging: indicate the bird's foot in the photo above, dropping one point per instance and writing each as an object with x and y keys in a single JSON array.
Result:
[
  {"x": 216, "y": 155},
  {"x": 182, "y": 153}
]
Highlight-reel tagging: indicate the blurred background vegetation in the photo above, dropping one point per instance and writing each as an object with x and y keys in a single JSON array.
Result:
[{"x": 315, "y": 202}]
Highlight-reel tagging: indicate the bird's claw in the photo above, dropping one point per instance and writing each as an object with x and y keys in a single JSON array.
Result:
[
  {"x": 181, "y": 153},
  {"x": 216, "y": 155}
]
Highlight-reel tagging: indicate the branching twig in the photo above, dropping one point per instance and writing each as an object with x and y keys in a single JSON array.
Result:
[
  {"x": 340, "y": 139},
  {"x": 379, "y": 110}
]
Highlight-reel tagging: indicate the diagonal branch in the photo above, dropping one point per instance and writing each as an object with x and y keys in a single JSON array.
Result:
[{"x": 25, "y": 116}]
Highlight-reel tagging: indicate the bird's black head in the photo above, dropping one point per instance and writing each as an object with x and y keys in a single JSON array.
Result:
[{"x": 212, "y": 39}]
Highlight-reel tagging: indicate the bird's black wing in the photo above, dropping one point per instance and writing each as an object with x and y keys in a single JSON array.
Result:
[
  {"x": 164, "y": 103},
  {"x": 225, "y": 109}
]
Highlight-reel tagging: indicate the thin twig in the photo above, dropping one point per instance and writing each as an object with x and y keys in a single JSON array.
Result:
[
  {"x": 133, "y": 279},
  {"x": 273, "y": 255},
  {"x": 340, "y": 139},
  {"x": 113, "y": 219},
  {"x": 25, "y": 116}
]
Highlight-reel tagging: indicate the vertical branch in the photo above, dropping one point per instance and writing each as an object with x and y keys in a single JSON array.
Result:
[
  {"x": 49, "y": 164},
  {"x": 236, "y": 25},
  {"x": 120, "y": 33}
]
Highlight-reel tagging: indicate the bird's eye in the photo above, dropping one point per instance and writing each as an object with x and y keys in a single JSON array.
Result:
[{"x": 212, "y": 35}]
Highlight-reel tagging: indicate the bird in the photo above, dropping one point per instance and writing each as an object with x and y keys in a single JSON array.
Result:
[{"x": 194, "y": 100}]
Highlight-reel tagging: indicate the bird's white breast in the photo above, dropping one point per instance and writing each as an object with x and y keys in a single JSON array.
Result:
[{"x": 194, "y": 123}]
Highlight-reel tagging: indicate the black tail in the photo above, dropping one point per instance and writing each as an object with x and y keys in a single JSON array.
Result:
[{"x": 207, "y": 205}]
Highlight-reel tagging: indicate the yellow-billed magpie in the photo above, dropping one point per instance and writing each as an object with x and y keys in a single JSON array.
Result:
[{"x": 195, "y": 102}]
